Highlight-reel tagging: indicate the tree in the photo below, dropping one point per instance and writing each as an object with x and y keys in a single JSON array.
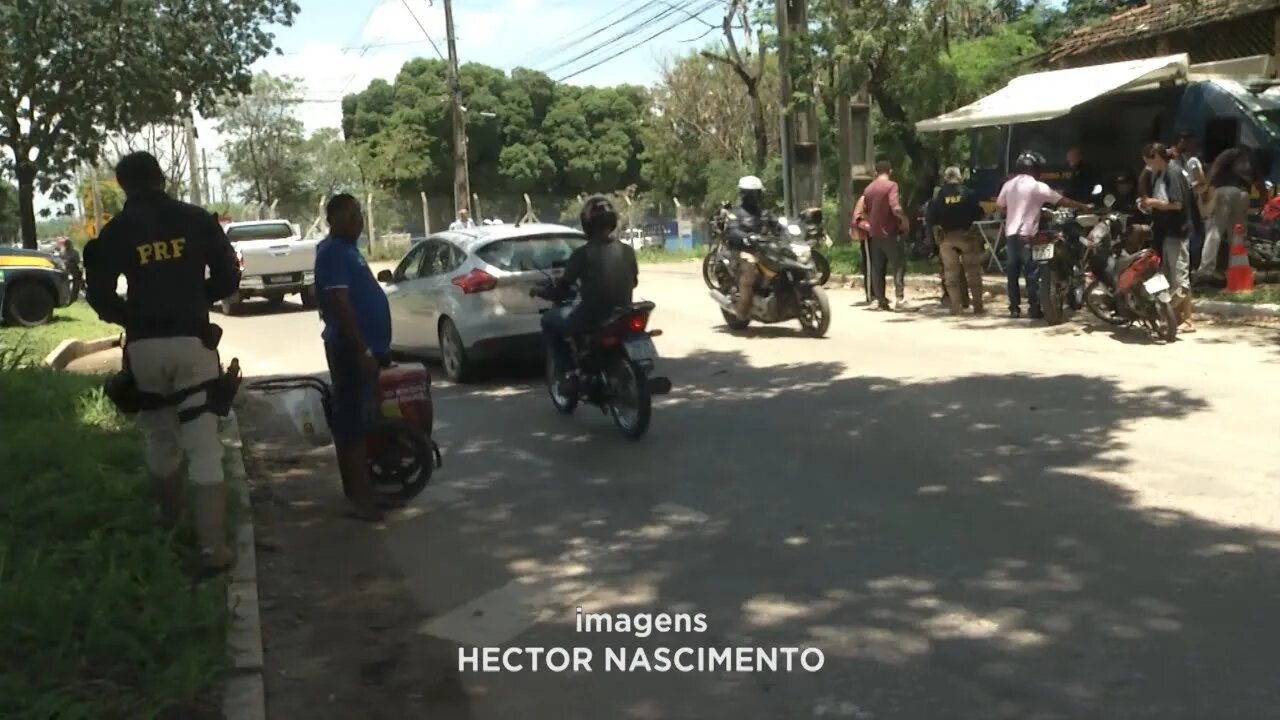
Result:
[
  {"x": 167, "y": 142},
  {"x": 75, "y": 71},
  {"x": 265, "y": 151},
  {"x": 331, "y": 165},
  {"x": 700, "y": 138},
  {"x": 8, "y": 212},
  {"x": 749, "y": 66}
]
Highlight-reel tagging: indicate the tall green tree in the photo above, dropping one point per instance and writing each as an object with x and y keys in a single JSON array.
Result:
[
  {"x": 264, "y": 149},
  {"x": 75, "y": 71}
]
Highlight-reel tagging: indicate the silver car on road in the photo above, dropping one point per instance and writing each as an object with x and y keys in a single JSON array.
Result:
[{"x": 463, "y": 295}]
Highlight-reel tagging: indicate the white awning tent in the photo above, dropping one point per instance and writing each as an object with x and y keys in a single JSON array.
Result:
[{"x": 1048, "y": 95}]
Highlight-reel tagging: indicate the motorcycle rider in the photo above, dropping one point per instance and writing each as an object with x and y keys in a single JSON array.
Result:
[
  {"x": 747, "y": 223},
  {"x": 1020, "y": 200},
  {"x": 606, "y": 271}
]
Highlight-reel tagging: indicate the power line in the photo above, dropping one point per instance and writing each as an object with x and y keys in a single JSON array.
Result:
[
  {"x": 636, "y": 28},
  {"x": 590, "y": 28},
  {"x": 706, "y": 7},
  {"x": 423, "y": 29}
]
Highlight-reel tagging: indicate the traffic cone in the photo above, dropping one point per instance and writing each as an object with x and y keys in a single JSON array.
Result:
[{"x": 1239, "y": 273}]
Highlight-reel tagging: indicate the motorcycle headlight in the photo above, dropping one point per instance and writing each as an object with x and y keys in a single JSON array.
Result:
[
  {"x": 794, "y": 231},
  {"x": 802, "y": 252}
]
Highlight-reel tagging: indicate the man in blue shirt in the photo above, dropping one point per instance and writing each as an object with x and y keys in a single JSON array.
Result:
[{"x": 357, "y": 338}]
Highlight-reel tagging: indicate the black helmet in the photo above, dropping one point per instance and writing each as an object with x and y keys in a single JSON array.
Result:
[
  {"x": 598, "y": 216},
  {"x": 1029, "y": 162}
]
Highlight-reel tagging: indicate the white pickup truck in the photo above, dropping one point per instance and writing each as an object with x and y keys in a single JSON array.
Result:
[{"x": 274, "y": 262}]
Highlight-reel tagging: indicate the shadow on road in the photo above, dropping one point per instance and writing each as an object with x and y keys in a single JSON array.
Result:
[{"x": 945, "y": 543}]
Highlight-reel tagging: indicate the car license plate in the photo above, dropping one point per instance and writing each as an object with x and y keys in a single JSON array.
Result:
[
  {"x": 278, "y": 279},
  {"x": 640, "y": 348},
  {"x": 1042, "y": 252},
  {"x": 1156, "y": 284}
]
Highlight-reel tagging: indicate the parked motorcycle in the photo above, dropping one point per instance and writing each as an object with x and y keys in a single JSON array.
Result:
[
  {"x": 613, "y": 365},
  {"x": 1133, "y": 288},
  {"x": 787, "y": 286},
  {"x": 1061, "y": 252},
  {"x": 815, "y": 234},
  {"x": 717, "y": 264}
]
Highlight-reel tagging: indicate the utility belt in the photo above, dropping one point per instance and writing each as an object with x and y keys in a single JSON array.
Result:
[{"x": 123, "y": 391}]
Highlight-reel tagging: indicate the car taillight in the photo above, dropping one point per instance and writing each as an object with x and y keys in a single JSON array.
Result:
[
  {"x": 239, "y": 259},
  {"x": 476, "y": 281}
]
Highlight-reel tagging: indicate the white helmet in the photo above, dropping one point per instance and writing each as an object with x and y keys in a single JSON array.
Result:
[{"x": 749, "y": 183}]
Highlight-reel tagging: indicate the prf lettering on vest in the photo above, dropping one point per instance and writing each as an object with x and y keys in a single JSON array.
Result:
[{"x": 161, "y": 250}]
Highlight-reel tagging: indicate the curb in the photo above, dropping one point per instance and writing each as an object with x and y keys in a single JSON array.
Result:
[
  {"x": 245, "y": 695},
  {"x": 69, "y": 350},
  {"x": 1223, "y": 308}
]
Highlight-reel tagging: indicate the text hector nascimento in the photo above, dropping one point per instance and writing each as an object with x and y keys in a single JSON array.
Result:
[{"x": 692, "y": 658}]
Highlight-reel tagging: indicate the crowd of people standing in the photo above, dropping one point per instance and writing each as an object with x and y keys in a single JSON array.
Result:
[{"x": 1190, "y": 212}]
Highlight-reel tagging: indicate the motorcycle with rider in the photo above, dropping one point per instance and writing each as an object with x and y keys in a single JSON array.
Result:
[{"x": 772, "y": 276}]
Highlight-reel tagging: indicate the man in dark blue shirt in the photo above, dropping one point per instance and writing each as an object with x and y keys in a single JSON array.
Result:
[{"x": 357, "y": 338}]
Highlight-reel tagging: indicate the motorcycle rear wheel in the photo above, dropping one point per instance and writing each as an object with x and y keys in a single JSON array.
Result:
[
  {"x": 1165, "y": 321},
  {"x": 1095, "y": 299},
  {"x": 627, "y": 379},
  {"x": 563, "y": 404},
  {"x": 823, "y": 267},
  {"x": 1052, "y": 299}
]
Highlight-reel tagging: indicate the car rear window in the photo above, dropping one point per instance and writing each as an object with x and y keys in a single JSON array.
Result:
[
  {"x": 266, "y": 231},
  {"x": 541, "y": 252}
]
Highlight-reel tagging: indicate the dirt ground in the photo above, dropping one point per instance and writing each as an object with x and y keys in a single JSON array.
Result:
[{"x": 339, "y": 626}]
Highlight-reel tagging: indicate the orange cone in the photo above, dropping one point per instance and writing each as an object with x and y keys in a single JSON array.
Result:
[{"x": 1239, "y": 273}]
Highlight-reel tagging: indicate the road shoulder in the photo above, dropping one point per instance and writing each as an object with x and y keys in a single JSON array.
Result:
[{"x": 339, "y": 623}]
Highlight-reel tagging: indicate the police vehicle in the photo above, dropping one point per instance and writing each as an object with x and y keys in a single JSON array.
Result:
[{"x": 32, "y": 285}]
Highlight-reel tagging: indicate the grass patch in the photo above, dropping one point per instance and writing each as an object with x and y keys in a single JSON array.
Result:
[
  {"x": 657, "y": 255},
  {"x": 101, "y": 621},
  {"x": 78, "y": 321},
  {"x": 1264, "y": 294},
  {"x": 847, "y": 260}
]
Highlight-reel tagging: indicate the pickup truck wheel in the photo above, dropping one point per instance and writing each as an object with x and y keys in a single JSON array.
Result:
[
  {"x": 28, "y": 304},
  {"x": 309, "y": 296},
  {"x": 231, "y": 307}
]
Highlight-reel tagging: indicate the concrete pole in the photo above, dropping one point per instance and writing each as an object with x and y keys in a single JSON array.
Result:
[
  {"x": 188, "y": 126},
  {"x": 426, "y": 215},
  {"x": 372, "y": 228},
  {"x": 461, "y": 176}
]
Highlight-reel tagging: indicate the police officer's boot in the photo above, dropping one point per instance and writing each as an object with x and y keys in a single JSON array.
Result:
[
  {"x": 168, "y": 490},
  {"x": 211, "y": 526}
]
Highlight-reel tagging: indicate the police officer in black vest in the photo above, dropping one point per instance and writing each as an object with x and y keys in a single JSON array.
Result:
[{"x": 177, "y": 261}]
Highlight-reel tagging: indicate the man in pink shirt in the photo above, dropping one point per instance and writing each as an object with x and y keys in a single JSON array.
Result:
[
  {"x": 1020, "y": 201},
  {"x": 882, "y": 209}
]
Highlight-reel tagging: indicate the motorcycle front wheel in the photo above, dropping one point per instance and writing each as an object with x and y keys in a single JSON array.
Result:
[
  {"x": 630, "y": 404},
  {"x": 815, "y": 312},
  {"x": 1052, "y": 298},
  {"x": 1098, "y": 299},
  {"x": 713, "y": 273}
]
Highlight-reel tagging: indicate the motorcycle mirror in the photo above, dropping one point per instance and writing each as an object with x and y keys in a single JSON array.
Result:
[
  {"x": 1109, "y": 200},
  {"x": 1097, "y": 190}
]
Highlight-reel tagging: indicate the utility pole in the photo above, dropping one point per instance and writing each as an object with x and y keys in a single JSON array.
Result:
[
  {"x": 800, "y": 118},
  {"x": 97, "y": 201},
  {"x": 188, "y": 125},
  {"x": 204, "y": 174},
  {"x": 855, "y": 146},
  {"x": 461, "y": 176},
  {"x": 426, "y": 215}
]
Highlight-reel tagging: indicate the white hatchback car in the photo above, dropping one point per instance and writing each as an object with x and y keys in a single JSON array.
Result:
[{"x": 463, "y": 295}]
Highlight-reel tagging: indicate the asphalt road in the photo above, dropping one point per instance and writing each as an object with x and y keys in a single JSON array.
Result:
[{"x": 971, "y": 518}]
